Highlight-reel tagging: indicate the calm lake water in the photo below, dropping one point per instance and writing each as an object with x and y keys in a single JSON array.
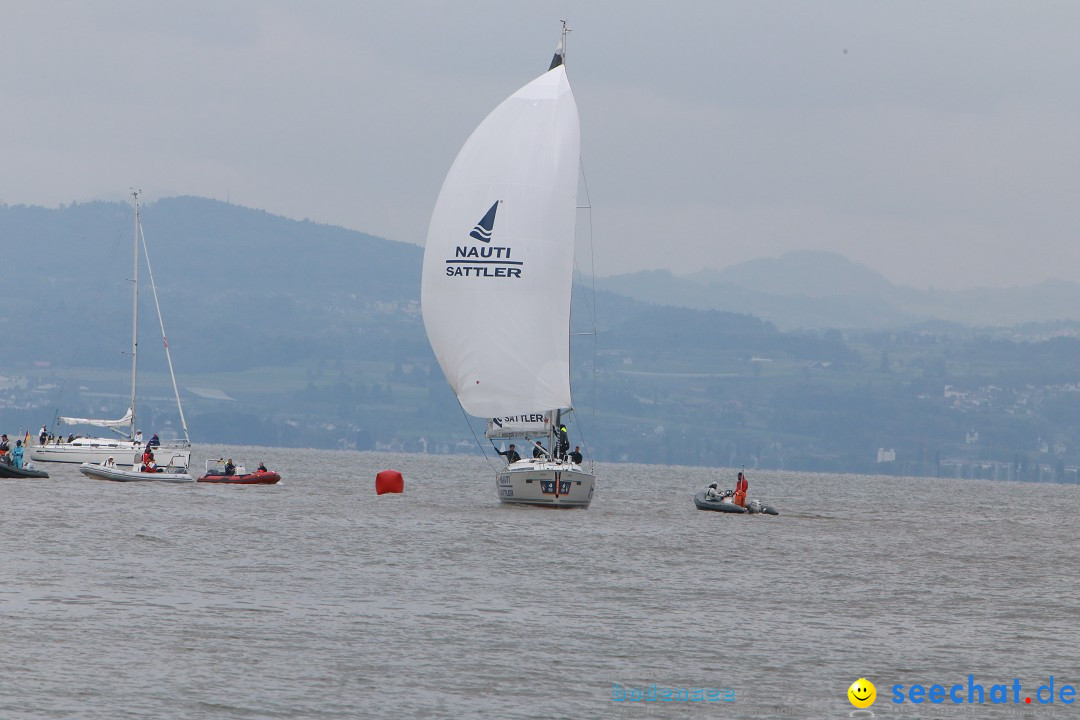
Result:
[{"x": 318, "y": 599}]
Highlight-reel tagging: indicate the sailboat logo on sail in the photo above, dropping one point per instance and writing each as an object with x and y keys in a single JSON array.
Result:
[
  {"x": 483, "y": 261},
  {"x": 482, "y": 231}
]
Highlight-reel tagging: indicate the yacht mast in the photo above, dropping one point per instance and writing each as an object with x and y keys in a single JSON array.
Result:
[
  {"x": 560, "y": 49},
  {"x": 135, "y": 315}
]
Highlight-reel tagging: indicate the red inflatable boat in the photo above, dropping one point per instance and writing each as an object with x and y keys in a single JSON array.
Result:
[{"x": 218, "y": 473}]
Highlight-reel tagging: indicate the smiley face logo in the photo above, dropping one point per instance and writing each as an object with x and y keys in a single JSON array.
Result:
[{"x": 862, "y": 693}]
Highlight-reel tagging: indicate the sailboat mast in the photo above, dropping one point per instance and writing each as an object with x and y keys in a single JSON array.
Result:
[
  {"x": 560, "y": 49},
  {"x": 135, "y": 315}
]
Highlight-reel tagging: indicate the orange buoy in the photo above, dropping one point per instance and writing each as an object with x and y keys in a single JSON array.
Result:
[{"x": 389, "y": 481}]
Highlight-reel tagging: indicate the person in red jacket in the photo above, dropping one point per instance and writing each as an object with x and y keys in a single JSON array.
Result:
[{"x": 740, "y": 491}]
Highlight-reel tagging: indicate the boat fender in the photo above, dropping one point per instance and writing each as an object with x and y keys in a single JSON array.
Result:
[{"x": 389, "y": 481}]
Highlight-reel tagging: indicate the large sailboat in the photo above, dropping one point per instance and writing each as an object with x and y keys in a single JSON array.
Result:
[
  {"x": 497, "y": 282},
  {"x": 126, "y": 448}
]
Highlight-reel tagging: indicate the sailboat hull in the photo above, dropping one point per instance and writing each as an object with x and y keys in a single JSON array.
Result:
[
  {"x": 87, "y": 450},
  {"x": 97, "y": 450},
  {"x": 548, "y": 484}
]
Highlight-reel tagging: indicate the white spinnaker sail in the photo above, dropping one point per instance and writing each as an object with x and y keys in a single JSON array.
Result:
[{"x": 499, "y": 259}]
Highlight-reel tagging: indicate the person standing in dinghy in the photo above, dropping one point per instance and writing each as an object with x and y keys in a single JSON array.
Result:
[{"x": 741, "y": 487}]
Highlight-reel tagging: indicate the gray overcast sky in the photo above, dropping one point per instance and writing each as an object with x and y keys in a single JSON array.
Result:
[{"x": 937, "y": 141}]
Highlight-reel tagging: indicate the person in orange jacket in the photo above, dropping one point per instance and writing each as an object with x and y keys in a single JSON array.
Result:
[{"x": 740, "y": 491}]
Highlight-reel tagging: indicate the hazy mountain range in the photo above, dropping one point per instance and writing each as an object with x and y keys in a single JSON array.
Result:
[
  {"x": 815, "y": 290},
  {"x": 294, "y": 332},
  {"x": 230, "y": 277},
  {"x": 243, "y": 259}
]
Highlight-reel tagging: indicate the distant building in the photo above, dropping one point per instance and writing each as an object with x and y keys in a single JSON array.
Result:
[{"x": 884, "y": 456}]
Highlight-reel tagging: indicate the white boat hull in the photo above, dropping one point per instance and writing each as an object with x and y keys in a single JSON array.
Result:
[
  {"x": 100, "y": 472},
  {"x": 549, "y": 484},
  {"x": 97, "y": 450}
]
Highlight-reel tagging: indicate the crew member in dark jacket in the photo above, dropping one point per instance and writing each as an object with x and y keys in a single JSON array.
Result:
[
  {"x": 510, "y": 454},
  {"x": 564, "y": 442}
]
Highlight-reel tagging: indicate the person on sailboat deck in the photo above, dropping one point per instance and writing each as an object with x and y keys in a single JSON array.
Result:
[
  {"x": 16, "y": 454},
  {"x": 538, "y": 450},
  {"x": 564, "y": 442},
  {"x": 575, "y": 456},
  {"x": 740, "y": 490},
  {"x": 511, "y": 454},
  {"x": 138, "y": 436},
  {"x": 43, "y": 436},
  {"x": 153, "y": 442}
]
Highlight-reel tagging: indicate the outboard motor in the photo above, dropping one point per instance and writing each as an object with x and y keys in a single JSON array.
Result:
[{"x": 754, "y": 506}]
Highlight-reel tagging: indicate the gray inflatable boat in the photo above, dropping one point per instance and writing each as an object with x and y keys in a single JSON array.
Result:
[
  {"x": 726, "y": 505},
  {"x": 10, "y": 471}
]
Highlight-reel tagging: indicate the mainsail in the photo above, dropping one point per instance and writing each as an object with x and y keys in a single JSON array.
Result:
[
  {"x": 122, "y": 422},
  {"x": 499, "y": 259}
]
